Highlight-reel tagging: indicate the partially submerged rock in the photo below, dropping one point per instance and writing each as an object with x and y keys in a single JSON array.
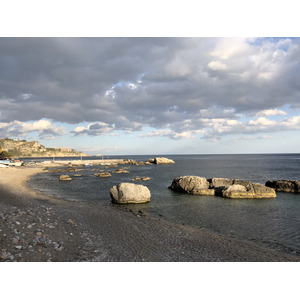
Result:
[
  {"x": 130, "y": 193},
  {"x": 163, "y": 160},
  {"x": 250, "y": 190},
  {"x": 103, "y": 174},
  {"x": 190, "y": 184},
  {"x": 118, "y": 171},
  {"x": 289, "y": 186},
  {"x": 64, "y": 177}
]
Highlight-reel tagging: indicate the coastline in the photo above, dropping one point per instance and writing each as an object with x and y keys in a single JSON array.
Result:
[{"x": 36, "y": 227}]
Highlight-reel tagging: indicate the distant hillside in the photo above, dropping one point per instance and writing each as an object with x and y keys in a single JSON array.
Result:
[{"x": 22, "y": 148}]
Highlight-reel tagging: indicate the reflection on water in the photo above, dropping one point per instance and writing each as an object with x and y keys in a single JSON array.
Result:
[{"x": 270, "y": 222}]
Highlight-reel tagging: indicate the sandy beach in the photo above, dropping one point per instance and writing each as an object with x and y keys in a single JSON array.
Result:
[{"x": 36, "y": 227}]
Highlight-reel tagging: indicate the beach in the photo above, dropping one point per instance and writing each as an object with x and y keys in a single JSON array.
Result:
[{"x": 37, "y": 227}]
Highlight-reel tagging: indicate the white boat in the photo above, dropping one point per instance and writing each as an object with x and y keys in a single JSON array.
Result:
[
  {"x": 5, "y": 162},
  {"x": 17, "y": 163}
]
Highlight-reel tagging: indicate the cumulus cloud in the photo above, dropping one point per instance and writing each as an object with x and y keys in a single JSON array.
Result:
[
  {"x": 217, "y": 65},
  {"x": 271, "y": 112},
  {"x": 220, "y": 127},
  {"x": 44, "y": 128},
  {"x": 172, "y": 134},
  {"x": 93, "y": 129}
]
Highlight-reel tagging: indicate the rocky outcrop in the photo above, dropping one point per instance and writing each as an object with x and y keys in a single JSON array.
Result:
[
  {"x": 224, "y": 187},
  {"x": 289, "y": 186},
  {"x": 130, "y": 193},
  {"x": 65, "y": 178},
  {"x": 192, "y": 185},
  {"x": 163, "y": 160}
]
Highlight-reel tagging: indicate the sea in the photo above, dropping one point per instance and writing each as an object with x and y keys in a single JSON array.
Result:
[{"x": 272, "y": 223}]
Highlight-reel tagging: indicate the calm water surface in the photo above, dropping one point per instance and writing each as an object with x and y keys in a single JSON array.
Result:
[{"x": 274, "y": 223}]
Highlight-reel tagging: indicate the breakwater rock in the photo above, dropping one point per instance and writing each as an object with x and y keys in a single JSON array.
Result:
[
  {"x": 130, "y": 193},
  {"x": 224, "y": 187},
  {"x": 289, "y": 186}
]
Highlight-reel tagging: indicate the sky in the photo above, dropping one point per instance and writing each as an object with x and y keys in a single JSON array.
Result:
[{"x": 118, "y": 95}]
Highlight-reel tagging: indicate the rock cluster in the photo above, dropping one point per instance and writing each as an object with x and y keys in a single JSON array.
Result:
[
  {"x": 130, "y": 193},
  {"x": 289, "y": 186},
  {"x": 227, "y": 188}
]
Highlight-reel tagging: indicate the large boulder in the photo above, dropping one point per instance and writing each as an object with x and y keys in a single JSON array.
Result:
[
  {"x": 289, "y": 186},
  {"x": 130, "y": 193},
  {"x": 245, "y": 189},
  {"x": 163, "y": 160},
  {"x": 234, "y": 191},
  {"x": 192, "y": 185}
]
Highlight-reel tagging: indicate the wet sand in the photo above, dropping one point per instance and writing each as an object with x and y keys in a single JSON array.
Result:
[{"x": 36, "y": 227}]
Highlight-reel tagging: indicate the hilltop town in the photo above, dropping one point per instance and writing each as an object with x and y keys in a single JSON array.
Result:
[{"x": 23, "y": 148}]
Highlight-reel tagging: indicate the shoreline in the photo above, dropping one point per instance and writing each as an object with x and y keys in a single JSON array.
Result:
[{"x": 37, "y": 227}]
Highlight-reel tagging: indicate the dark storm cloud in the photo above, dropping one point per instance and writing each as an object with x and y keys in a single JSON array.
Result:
[{"x": 128, "y": 83}]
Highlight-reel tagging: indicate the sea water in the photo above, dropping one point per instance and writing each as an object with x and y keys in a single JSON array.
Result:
[{"x": 273, "y": 223}]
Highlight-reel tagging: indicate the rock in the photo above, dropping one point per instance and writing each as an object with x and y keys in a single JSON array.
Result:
[
  {"x": 130, "y": 193},
  {"x": 121, "y": 171},
  {"x": 151, "y": 160},
  {"x": 191, "y": 184},
  {"x": 103, "y": 174},
  {"x": 220, "y": 182},
  {"x": 203, "y": 192},
  {"x": 163, "y": 160},
  {"x": 71, "y": 222},
  {"x": 248, "y": 190},
  {"x": 234, "y": 191},
  {"x": 64, "y": 177},
  {"x": 288, "y": 186},
  {"x": 145, "y": 178}
]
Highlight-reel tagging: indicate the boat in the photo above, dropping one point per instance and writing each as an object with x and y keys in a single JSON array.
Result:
[
  {"x": 17, "y": 163},
  {"x": 14, "y": 163},
  {"x": 5, "y": 162}
]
